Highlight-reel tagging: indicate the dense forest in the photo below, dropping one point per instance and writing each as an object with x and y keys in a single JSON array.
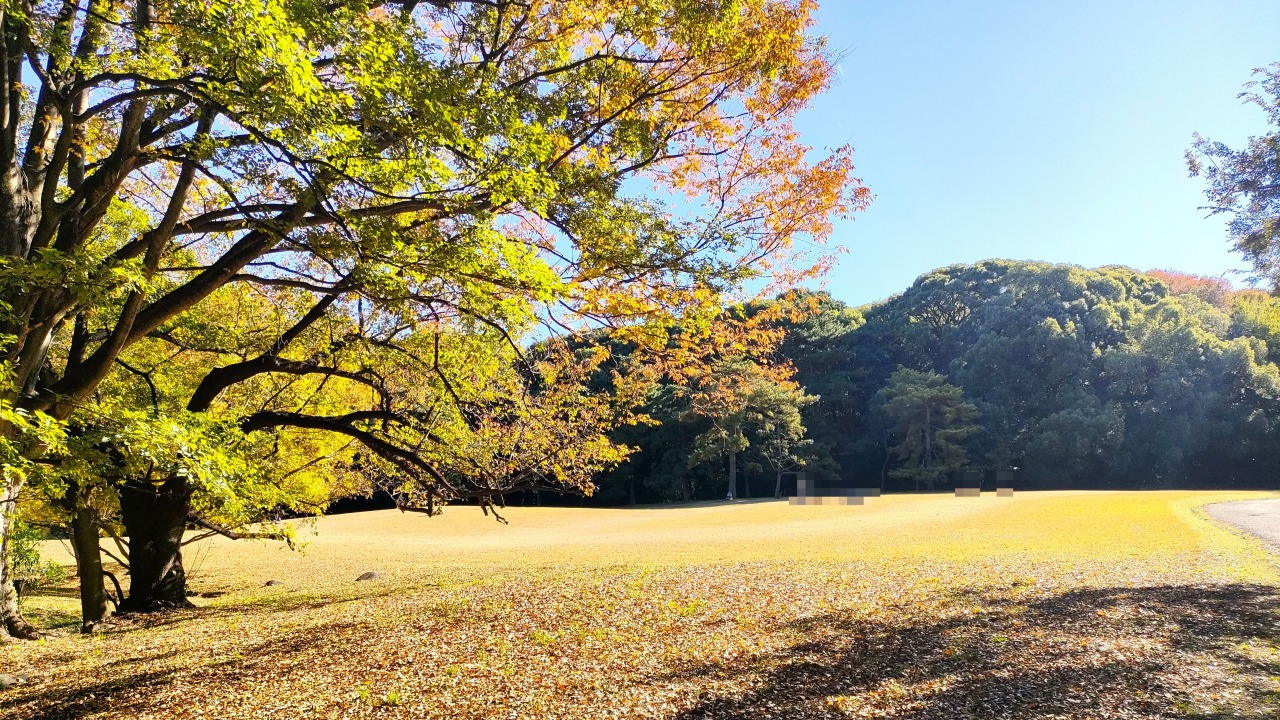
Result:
[{"x": 1071, "y": 377}]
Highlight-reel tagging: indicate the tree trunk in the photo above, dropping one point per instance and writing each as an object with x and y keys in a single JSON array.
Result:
[
  {"x": 87, "y": 551},
  {"x": 19, "y": 218},
  {"x": 11, "y": 621},
  {"x": 631, "y": 490},
  {"x": 733, "y": 476},
  {"x": 777, "y": 486},
  {"x": 746, "y": 482},
  {"x": 154, "y": 519},
  {"x": 85, "y": 539},
  {"x": 684, "y": 490}
]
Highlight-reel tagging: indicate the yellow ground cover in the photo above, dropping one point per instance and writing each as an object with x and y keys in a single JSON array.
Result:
[{"x": 1054, "y": 604}]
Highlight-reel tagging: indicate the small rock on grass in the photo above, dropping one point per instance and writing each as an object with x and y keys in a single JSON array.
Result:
[
  {"x": 7, "y": 680},
  {"x": 369, "y": 576},
  {"x": 273, "y": 583}
]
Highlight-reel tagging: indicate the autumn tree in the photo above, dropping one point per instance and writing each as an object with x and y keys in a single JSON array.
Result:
[
  {"x": 1245, "y": 183},
  {"x": 457, "y": 159},
  {"x": 720, "y": 376},
  {"x": 1216, "y": 291},
  {"x": 801, "y": 326},
  {"x": 743, "y": 400}
]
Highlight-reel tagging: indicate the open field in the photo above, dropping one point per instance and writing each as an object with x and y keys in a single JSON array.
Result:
[{"x": 1062, "y": 604}]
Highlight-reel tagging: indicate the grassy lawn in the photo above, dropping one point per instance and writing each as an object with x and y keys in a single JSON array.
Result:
[{"x": 1053, "y": 605}]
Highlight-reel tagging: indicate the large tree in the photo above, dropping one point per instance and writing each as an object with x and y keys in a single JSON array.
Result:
[
  {"x": 365, "y": 418},
  {"x": 930, "y": 421},
  {"x": 452, "y": 163},
  {"x": 744, "y": 403}
]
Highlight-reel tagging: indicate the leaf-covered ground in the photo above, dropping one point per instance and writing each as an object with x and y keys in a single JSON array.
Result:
[{"x": 1046, "y": 605}]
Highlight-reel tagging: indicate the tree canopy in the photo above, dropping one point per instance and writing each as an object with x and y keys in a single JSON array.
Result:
[
  {"x": 1245, "y": 183},
  {"x": 410, "y": 192},
  {"x": 929, "y": 420}
]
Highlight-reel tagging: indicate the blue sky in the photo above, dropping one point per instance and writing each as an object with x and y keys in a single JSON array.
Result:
[{"x": 1040, "y": 129}]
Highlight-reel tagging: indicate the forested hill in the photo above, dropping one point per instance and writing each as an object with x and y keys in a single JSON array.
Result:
[{"x": 1107, "y": 377}]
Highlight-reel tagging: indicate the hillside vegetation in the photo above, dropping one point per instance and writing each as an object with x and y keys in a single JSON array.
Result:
[{"x": 1072, "y": 377}]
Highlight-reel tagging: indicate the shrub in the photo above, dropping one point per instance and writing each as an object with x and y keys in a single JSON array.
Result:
[{"x": 29, "y": 571}]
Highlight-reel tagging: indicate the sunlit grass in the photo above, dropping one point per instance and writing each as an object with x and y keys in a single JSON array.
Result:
[{"x": 655, "y": 612}]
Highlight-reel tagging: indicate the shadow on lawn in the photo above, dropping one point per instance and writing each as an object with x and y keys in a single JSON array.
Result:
[
  {"x": 1146, "y": 654},
  {"x": 1153, "y": 656},
  {"x": 127, "y": 691},
  {"x": 281, "y": 602},
  {"x": 129, "y": 682}
]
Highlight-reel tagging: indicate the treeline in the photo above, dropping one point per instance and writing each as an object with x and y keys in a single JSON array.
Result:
[{"x": 1073, "y": 377}]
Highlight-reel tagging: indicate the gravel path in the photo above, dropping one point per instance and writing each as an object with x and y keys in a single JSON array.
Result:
[{"x": 1257, "y": 517}]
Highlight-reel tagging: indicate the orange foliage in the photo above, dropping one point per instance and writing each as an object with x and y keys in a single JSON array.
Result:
[{"x": 1216, "y": 291}]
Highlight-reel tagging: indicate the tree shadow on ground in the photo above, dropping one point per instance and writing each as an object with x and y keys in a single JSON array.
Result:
[
  {"x": 57, "y": 591},
  {"x": 1169, "y": 651},
  {"x": 1106, "y": 653},
  {"x": 127, "y": 690},
  {"x": 122, "y": 687},
  {"x": 283, "y": 602}
]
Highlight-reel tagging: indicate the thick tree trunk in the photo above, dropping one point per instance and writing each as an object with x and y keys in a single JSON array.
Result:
[
  {"x": 11, "y": 621},
  {"x": 777, "y": 486},
  {"x": 685, "y": 495},
  {"x": 733, "y": 476},
  {"x": 154, "y": 519},
  {"x": 93, "y": 595},
  {"x": 746, "y": 482}
]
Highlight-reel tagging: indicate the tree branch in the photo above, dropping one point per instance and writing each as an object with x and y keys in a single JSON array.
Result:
[{"x": 227, "y": 532}]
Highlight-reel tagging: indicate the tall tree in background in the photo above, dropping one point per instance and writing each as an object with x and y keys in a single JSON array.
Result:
[
  {"x": 1246, "y": 183},
  {"x": 743, "y": 398},
  {"x": 452, "y": 164},
  {"x": 777, "y": 429},
  {"x": 723, "y": 400},
  {"x": 816, "y": 344},
  {"x": 930, "y": 421}
]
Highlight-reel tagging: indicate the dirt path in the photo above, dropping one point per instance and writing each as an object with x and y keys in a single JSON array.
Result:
[{"x": 1257, "y": 517}]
